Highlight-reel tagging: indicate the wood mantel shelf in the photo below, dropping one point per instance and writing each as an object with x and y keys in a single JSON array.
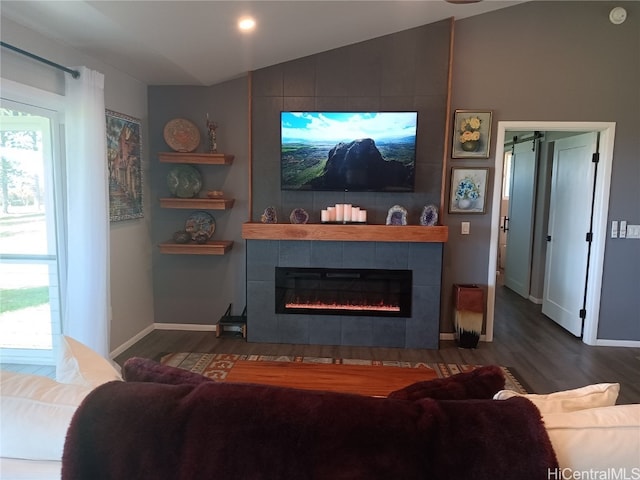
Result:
[{"x": 346, "y": 233}]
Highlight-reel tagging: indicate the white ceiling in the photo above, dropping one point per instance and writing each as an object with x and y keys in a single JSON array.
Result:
[{"x": 184, "y": 42}]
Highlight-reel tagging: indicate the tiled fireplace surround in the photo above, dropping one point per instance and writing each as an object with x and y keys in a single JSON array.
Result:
[{"x": 421, "y": 330}]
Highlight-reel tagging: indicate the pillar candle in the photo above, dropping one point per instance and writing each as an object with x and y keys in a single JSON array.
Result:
[
  {"x": 355, "y": 214},
  {"x": 362, "y": 216},
  {"x": 324, "y": 215},
  {"x": 332, "y": 213},
  {"x": 347, "y": 212},
  {"x": 339, "y": 212}
]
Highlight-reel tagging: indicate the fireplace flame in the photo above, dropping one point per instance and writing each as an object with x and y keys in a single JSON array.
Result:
[{"x": 337, "y": 306}]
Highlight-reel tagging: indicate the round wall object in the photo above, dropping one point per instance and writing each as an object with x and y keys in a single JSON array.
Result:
[{"x": 617, "y": 15}]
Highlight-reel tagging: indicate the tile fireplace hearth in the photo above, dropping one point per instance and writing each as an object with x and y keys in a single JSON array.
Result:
[{"x": 420, "y": 329}]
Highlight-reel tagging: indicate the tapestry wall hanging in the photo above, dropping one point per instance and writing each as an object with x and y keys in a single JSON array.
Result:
[{"x": 125, "y": 168}]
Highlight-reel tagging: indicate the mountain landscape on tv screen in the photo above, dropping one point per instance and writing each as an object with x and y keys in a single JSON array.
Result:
[{"x": 362, "y": 163}]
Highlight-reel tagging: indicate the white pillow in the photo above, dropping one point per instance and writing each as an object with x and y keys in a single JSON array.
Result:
[
  {"x": 598, "y": 439},
  {"x": 35, "y": 413},
  {"x": 591, "y": 396},
  {"x": 79, "y": 365}
]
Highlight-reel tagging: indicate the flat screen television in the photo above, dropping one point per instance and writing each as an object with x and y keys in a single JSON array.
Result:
[{"x": 348, "y": 151}]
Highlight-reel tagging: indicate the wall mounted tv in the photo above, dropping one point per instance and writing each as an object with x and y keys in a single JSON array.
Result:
[{"x": 348, "y": 151}]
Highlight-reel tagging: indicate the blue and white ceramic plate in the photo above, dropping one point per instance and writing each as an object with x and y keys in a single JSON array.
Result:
[{"x": 200, "y": 223}]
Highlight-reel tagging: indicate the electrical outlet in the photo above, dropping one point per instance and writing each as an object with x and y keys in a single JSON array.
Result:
[
  {"x": 633, "y": 231},
  {"x": 464, "y": 228}
]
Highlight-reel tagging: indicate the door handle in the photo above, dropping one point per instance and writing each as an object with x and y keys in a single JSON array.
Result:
[
  {"x": 505, "y": 224},
  {"x": 548, "y": 238}
]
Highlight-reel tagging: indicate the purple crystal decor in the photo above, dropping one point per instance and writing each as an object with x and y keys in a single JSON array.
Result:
[
  {"x": 299, "y": 215},
  {"x": 397, "y": 215},
  {"x": 429, "y": 216}
]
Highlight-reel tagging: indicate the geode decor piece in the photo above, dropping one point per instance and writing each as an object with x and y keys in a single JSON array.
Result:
[
  {"x": 299, "y": 215},
  {"x": 269, "y": 215},
  {"x": 429, "y": 216},
  {"x": 397, "y": 215}
]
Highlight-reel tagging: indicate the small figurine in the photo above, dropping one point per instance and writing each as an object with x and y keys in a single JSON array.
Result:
[{"x": 211, "y": 130}]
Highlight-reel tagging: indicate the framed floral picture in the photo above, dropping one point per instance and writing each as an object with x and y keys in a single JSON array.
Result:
[
  {"x": 125, "y": 169},
  {"x": 468, "y": 189},
  {"x": 471, "y": 134}
]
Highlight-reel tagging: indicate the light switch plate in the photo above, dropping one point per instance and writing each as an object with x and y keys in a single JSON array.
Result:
[
  {"x": 623, "y": 229},
  {"x": 465, "y": 227},
  {"x": 633, "y": 231},
  {"x": 614, "y": 229}
]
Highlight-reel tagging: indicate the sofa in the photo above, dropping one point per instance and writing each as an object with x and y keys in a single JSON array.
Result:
[{"x": 161, "y": 422}]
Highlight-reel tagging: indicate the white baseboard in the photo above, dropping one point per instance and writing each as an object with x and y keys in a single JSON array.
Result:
[
  {"x": 537, "y": 301},
  {"x": 618, "y": 343},
  {"x": 129, "y": 343},
  {"x": 188, "y": 327}
]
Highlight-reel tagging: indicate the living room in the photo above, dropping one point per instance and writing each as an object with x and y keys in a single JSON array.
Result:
[{"x": 151, "y": 291}]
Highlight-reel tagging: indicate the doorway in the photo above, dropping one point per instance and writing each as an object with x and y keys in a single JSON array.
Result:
[{"x": 600, "y": 209}]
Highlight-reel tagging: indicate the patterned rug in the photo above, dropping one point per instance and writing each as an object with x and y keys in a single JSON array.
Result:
[{"x": 218, "y": 365}]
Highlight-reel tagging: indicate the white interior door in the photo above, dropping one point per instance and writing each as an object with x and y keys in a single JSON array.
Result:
[
  {"x": 569, "y": 219},
  {"x": 517, "y": 271}
]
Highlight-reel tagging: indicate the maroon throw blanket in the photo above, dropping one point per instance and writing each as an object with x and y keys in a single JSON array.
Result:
[{"x": 253, "y": 432}]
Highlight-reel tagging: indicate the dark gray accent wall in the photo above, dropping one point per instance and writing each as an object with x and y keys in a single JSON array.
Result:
[
  {"x": 421, "y": 330},
  {"x": 556, "y": 61},
  {"x": 197, "y": 289},
  {"x": 403, "y": 71}
]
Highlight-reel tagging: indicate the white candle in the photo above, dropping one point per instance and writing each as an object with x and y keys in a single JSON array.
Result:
[
  {"x": 355, "y": 214},
  {"x": 324, "y": 215},
  {"x": 347, "y": 212},
  {"x": 362, "y": 217},
  {"x": 332, "y": 213},
  {"x": 339, "y": 212}
]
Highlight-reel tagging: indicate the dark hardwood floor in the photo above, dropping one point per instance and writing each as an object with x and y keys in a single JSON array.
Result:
[{"x": 542, "y": 354}]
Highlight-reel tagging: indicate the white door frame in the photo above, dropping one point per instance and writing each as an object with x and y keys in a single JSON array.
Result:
[{"x": 600, "y": 215}]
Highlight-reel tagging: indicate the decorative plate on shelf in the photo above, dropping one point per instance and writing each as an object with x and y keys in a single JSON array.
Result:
[
  {"x": 184, "y": 181},
  {"x": 181, "y": 135},
  {"x": 200, "y": 223}
]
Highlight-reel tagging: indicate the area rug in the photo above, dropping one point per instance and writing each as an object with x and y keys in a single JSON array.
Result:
[{"x": 371, "y": 377}]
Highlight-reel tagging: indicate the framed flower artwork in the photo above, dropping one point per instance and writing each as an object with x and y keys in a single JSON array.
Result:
[
  {"x": 471, "y": 134},
  {"x": 468, "y": 189}
]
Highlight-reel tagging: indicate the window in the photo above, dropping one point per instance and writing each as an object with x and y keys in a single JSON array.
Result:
[
  {"x": 30, "y": 235},
  {"x": 506, "y": 175}
]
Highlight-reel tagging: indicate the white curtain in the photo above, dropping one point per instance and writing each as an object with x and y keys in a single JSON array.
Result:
[{"x": 87, "y": 307}]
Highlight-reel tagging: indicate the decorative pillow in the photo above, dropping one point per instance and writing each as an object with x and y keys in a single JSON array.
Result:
[
  {"x": 481, "y": 383},
  {"x": 35, "y": 412},
  {"x": 138, "y": 369},
  {"x": 590, "y": 396},
  {"x": 78, "y": 364},
  {"x": 605, "y": 439}
]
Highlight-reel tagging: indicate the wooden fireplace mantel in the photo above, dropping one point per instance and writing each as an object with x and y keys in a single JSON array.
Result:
[{"x": 345, "y": 233}]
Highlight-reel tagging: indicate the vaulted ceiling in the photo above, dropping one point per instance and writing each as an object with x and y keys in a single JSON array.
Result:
[{"x": 198, "y": 43}]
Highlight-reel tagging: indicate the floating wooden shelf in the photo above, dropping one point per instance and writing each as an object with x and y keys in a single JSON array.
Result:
[
  {"x": 201, "y": 203},
  {"x": 196, "y": 158},
  {"x": 347, "y": 233},
  {"x": 209, "y": 248}
]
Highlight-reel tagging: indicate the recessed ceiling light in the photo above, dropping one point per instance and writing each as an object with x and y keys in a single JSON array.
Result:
[{"x": 246, "y": 24}]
